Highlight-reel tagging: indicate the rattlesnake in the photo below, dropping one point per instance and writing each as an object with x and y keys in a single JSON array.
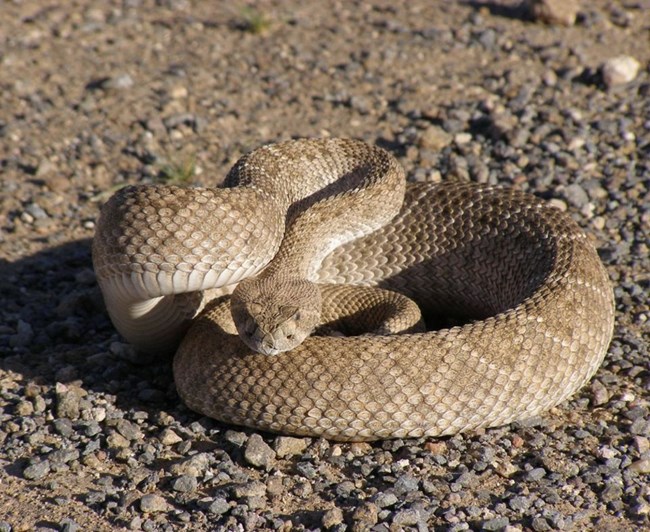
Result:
[{"x": 534, "y": 301}]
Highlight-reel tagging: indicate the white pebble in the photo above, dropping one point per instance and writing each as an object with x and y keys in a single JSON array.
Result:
[{"x": 620, "y": 70}]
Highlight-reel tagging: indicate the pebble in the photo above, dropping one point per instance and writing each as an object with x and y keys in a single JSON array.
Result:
[
  {"x": 405, "y": 484},
  {"x": 365, "y": 515},
  {"x": 195, "y": 465},
  {"x": 497, "y": 523},
  {"x": 37, "y": 471},
  {"x": 249, "y": 489},
  {"x": 118, "y": 82},
  {"x": 600, "y": 394},
  {"x": 117, "y": 441},
  {"x": 258, "y": 453},
  {"x": 536, "y": 474},
  {"x": 386, "y": 499},
  {"x": 561, "y": 12},
  {"x": 67, "y": 401},
  {"x": 407, "y": 517},
  {"x": 286, "y": 446},
  {"x": 218, "y": 506},
  {"x": 462, "y": 138},
  {"x": 539, "y": 524},
  {"x": 332, "y": 518},
  {"x": 641, "y": 466},
  {"x": 576, "y": 195},
  {"x": 236, "y": 438},
  {"x": 620, "y": 70},
  {"x": 24, "y": 335},
  {"x": 185, "y": 483},
  {"x": 153, "y": 503},
  {"x": 434, "y": 138},
  {"x": 128, "y": 429},
  {"x": 169, "y": 437}
]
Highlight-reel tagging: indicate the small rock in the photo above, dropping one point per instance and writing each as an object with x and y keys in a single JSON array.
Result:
[
  {"x": 519, "y": 503},
  {"x": 436, "y": 448},
  {"x": 178, "y": 92},
  {"x": 195, "y": 465},
  {"x": 434, "y": 138},
  {"x": 611, "y": 493},
  {"x": 366, "y": 515},
  {"x": 360, "y": 448},
  {"x": 67, "y": 401},
  {"x": 600, "y": 395},
  {"x": 219, "y": 506},
  {"x": 332, "y": 518},
  {"x": 185, "y": 483},
  {"x": 641, "y": 466},
  {"x": 36, "y": 211},
  {"x": 258, "y": 453},
  {"x": 129, "y": 430},
  {"x": 361, "y": 103},
  {"x": 287, "y": 446},
  {"x": 620, "y": 70},
  {"x": 119, "y": 82},
  {"x": 63, "y": 456},
  {"x": 236, "y": 438},
  {"x": 64, "y": 427},
  {"x": 37, "y": 471},
  {"x": 408, "y": 517},
  {"x": 117, "y": 441},
  {"x": 641, "y": 444},
  {"x": 153, "y": 503},
  {"x": 498, "y": 523},
  {"x": 405, "y": 484},
  {"x": 124, "y": 351},
  {"x": 462, "y": 138},
  {"x": 501, "y": 124},
  {"x": 539, "y": 524},
  {"x": 169, "y": 437},
  {"x": 249, "y": 489},
  {"x": 178, "y": 119},
  {"x": 24, "y": 335},
  {"x": 25, "y": 408},
  {"x": 576, "y": 195},
  {"x": 560, "y": 12},
  {"x": 536, "y": 474},
  {"x": 385, "y": 499},
  {"x": 155, "y": 125}
]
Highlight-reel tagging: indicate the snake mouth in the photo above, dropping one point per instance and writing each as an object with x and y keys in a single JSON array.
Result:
[{"x": 268, "y": 351}]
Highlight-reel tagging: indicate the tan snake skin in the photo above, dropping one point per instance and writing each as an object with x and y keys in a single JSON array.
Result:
[{"x": 535, "y": 300}]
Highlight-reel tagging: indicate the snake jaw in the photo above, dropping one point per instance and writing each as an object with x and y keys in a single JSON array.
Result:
[{"x": 269, "y": 337}]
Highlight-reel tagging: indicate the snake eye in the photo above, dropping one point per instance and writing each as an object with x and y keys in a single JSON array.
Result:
[{"x": 290, "y": 336}]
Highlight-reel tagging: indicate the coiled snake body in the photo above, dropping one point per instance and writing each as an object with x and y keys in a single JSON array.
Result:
[{"x": 534, "y": 298}]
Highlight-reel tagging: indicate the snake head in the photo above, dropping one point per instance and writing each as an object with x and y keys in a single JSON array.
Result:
[{"x": 274, "y": 315}]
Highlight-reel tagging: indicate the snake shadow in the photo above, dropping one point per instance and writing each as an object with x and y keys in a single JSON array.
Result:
[{"x": 54, "y": 328}]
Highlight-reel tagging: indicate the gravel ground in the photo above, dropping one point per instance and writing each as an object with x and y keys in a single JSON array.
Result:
[{"x": 94, "y": 95}]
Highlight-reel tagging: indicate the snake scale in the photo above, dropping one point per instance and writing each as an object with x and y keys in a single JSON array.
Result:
[{"x": 532, "y": 301}]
